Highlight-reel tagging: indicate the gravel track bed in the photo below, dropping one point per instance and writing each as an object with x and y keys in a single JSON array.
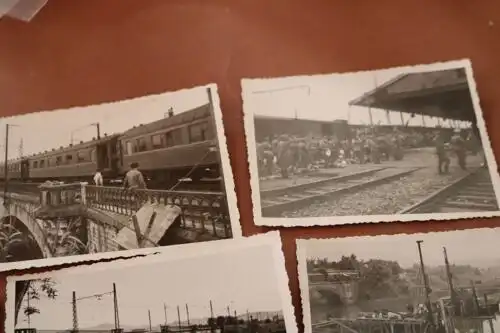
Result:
[{"x": 387, "y": 198}]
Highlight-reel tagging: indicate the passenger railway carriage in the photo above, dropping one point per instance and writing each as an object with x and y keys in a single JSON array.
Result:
[{"x": 176, "y": 147}]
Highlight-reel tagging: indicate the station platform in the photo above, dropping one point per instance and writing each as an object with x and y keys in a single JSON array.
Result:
[{"x": 418, "y": 157}]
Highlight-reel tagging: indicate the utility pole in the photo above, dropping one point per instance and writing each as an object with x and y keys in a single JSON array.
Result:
[
  {"x": 75, "y": 314},
  {"x": 21, "y": 148},
  {"x": 211, "y": 310},
  {"x": 115, "y": 301},
  {"x": 179, "y": 318},
  {"x": 28, "y": 301},
  {"x": 187, "y": 315},
  {"x": 427, "y": 288},
  {"x": 228, "y": 311},
  {"x": 165, "y": 310},
  {"x": 449, "y": 276},
  {"x": 98, "y": 127},
  {"x": 248, "y": 316},
  {"x": 149, "y": 315}
]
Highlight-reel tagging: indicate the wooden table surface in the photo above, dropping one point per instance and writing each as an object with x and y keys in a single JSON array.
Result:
[{"x": 83, "y": 52}]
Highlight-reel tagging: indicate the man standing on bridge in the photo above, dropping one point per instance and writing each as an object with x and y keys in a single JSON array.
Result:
[
  {"x": 98, "y": 180},
  {"x": 134, "y": 178}
]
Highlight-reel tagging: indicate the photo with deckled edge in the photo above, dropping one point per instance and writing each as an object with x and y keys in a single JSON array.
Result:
[
  {"x": 236, "y": 285},
  {"x": 323, "y": 150},
  {"x": 362, "y": 284},
  {"x": 115, "y": 179}
]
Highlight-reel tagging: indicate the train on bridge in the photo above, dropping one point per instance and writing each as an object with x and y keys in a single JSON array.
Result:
[{"x": 175, "y": 147}]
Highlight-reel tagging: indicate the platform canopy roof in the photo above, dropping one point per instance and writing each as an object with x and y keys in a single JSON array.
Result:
[{"x": 443, "y": 93}]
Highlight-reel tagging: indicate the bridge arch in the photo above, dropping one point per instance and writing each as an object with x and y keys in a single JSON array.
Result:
[
  {"x": 18, "y": 243},
  {"x": 20, "y": 214}
]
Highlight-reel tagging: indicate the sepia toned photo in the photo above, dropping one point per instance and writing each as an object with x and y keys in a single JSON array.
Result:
[
  {"x": 432, "y": 283},
  {"x": 227, "y": 286},
  {"x": 86, "y": 182},
  {"x": 387, "y": 145}
]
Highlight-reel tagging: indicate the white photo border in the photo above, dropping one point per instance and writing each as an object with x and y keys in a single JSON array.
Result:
[
  {"x": 301, "y": 254},
  {"x": 228, "y": 184},
  {"x": 271, "y": 239},
  {"x": 248, "y": 86}
]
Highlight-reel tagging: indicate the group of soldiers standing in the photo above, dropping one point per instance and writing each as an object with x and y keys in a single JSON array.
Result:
[
  {"x": 285, "y": 154},
  {"x": 288, "y": 153}
]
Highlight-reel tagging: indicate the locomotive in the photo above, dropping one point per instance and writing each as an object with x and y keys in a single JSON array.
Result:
[{"x": 177, "y": 147}]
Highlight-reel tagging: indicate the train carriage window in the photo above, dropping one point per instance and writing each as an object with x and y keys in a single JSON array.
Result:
[
  {"x": 93, "y": 156},
  {"x": 69, "y": 159},
  {"x": 157, "y": 141},
  {"x": 129, "y": 148},
  {"x": 174, "y": 137},
  {"x": 83, "y": 156},
  {"x": 198, "y": 132},
  {"x": 141, "y": 145},
  {"x": 42, "y": 163},
  {"x": 58, "y": 160},
  {"x": 35, "y": 164}
]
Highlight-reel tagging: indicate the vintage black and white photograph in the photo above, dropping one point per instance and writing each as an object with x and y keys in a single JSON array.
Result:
[
  {"x": 445, "y": 282},
  {"x": 237, "y": 286},
  {"x": 128, "y": 175},
  {"x": 404, "y": 144}
]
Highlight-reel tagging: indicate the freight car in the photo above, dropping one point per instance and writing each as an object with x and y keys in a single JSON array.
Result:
[{"x": 168, "y": 150}]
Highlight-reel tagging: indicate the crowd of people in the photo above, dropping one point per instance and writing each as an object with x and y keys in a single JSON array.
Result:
[{"x": 283, "y": 155}]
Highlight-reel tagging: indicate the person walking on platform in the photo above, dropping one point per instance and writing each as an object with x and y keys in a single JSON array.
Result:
[
  {"x": 134, "y": 178},
  {"x": 442, "y": 154}
]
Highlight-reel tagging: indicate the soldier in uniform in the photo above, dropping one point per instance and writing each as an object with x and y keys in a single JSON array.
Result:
[
  {"x": 458, "y": 144},
  {"x": 442, "y": 154},
  {"x": 284, "y": 155}
]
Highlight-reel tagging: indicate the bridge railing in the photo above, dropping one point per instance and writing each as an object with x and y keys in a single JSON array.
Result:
[
  {"x": 56, "y": 195},
  {"x": 206, "y": 211}
]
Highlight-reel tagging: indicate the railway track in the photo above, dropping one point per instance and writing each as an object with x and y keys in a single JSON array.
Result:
[
  {"x": 276, "y": 201},
  {"x": 473, "y": 192}
]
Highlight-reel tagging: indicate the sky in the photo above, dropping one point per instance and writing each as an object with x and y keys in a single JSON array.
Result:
[
  {"x": 326, "y": 98},
  {"x": 42, "y": 131},
  {"x": 243, "y": 279},
  {"x": 475, "y": 247}
]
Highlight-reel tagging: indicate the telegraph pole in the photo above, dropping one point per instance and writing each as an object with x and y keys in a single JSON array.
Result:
[
  {"x": 179, "y": 318},
  {"x": 149, "y": 315},
  {"x": 75, "y": 314},
  {"x": 187, "y": 315},
  {"x": 165, "y": 310},
  {"x": 228, "y": 311},
  {"x": 427, "y": 288},
  {"x": 28, "y": 301},
  {"x": 450, "y": 278},
  {"x": 21, "y": 148},
  {"x": 117, "y": 317},
  {"x": 211, "y": 310},
  {"x": 98, "y": 127}
]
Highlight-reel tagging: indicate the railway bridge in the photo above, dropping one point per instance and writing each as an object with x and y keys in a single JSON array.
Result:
[
  {"x": 52, "y": 219},
  {"x": 339, "y": 284}
]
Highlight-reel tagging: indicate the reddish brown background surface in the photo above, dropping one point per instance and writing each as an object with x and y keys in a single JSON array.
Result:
[{"x": 82, "y": 52}]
